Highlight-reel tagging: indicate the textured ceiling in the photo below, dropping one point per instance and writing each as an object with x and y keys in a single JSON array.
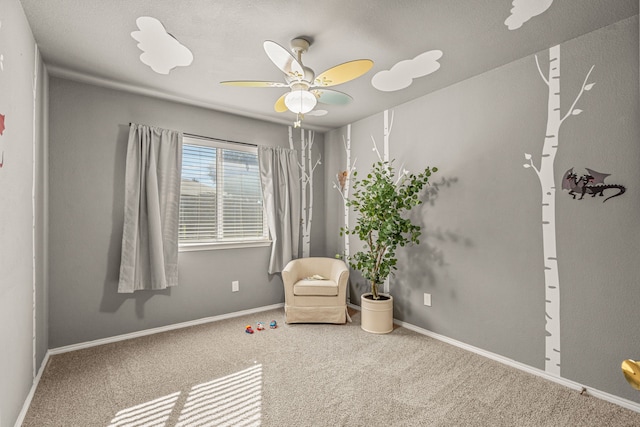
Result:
[{"x": 89, "y": 40}]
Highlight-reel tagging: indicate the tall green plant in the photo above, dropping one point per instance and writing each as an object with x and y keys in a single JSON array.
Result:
[{"x": 380, "y": 202}]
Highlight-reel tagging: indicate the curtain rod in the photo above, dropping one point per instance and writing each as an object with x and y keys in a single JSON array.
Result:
[
  {"x": 192, "y": 135},
  {"x": 218, "y": 139}
]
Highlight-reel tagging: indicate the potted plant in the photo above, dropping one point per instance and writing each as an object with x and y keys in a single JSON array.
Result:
[{"x": 381, "y": 202}]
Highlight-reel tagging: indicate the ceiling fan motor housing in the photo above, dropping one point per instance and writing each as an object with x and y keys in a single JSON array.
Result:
[{"x": 300, "y": 45}]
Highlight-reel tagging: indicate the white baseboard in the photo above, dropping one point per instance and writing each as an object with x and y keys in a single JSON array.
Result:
[
  {"x": 34, "y": 386},
  {"x": 634, "y": 406},
  {"x": 88, "y": 344}
]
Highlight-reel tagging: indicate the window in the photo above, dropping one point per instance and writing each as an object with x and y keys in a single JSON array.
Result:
[{"x": 220, "y": 195}]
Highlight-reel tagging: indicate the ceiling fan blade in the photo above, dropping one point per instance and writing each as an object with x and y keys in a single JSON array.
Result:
[
  {"x": 317, "y": 113},
  {"x": 343, "y": 73},
  {"x": 248, "y": 83},
  {"x": 283, "y": 59},
  {"x": 328, "y": 96},
  {"x": 280, "y": 106}
]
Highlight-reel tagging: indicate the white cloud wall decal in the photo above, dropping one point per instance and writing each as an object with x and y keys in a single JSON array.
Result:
[
  {"x": 160, "y": 50},
  {"x": 523, "y": 10},
  {"x": 402, "y": 74}
]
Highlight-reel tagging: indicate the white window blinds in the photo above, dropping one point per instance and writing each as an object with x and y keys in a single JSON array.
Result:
[{"x": 220, "y": 195}]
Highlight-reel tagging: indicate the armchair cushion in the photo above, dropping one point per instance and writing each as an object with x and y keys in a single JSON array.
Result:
[{"x": 315, "y": 287}]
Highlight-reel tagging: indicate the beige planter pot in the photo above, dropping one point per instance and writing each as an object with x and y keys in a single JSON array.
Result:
[{"x": 376, "y": 315}]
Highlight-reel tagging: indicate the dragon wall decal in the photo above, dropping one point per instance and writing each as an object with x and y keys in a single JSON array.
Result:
[{"x": 592, "y": 183}]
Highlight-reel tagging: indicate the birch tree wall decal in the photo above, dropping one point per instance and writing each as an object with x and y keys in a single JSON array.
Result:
[
  {"x": 546, "y": 177},
  {"x": 307, "y": 168},
  {"x": 342, "y": 185},
  {"x": 388, "y": 124}
]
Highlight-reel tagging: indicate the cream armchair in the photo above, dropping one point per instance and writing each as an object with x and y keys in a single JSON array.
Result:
[{"x": 315, "y": 300}]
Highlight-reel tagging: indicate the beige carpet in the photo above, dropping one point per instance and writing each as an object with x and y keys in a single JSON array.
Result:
[{"x": 300, "y": 375}]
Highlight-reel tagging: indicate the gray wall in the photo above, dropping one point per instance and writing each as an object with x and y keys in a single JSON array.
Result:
[
  {"x": 88, "y": 138},
  {"x": 22, "y": 142},
  {"x": 481, "y": 255}
]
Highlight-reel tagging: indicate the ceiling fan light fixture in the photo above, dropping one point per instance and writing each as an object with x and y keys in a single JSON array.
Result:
[{"x": 300, "y": 101}]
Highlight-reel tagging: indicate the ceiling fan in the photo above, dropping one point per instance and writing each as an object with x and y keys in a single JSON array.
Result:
[{"x": 306, "y": 90}]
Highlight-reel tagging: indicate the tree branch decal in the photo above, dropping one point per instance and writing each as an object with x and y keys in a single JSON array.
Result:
[
  {"x": 585, "y": 87},
  {"x": 540, "y": 71}
]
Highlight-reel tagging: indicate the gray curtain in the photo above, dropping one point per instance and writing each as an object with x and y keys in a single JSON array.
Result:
[
  {"x": 151, "y": 209},
  {"x": 280, "y": 179}
]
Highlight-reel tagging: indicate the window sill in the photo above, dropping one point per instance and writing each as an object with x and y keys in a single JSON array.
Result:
[{"x": 191, "y": 247}]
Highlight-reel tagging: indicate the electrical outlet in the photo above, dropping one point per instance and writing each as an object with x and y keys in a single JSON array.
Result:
[
  {"x": 427, "y": 299},
  {"x": 235, "y": 286}
]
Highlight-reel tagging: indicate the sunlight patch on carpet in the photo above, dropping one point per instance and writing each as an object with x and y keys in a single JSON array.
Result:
[
  {"x": 232, "y": 400},
  {"x": 154, "y": 412}
]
